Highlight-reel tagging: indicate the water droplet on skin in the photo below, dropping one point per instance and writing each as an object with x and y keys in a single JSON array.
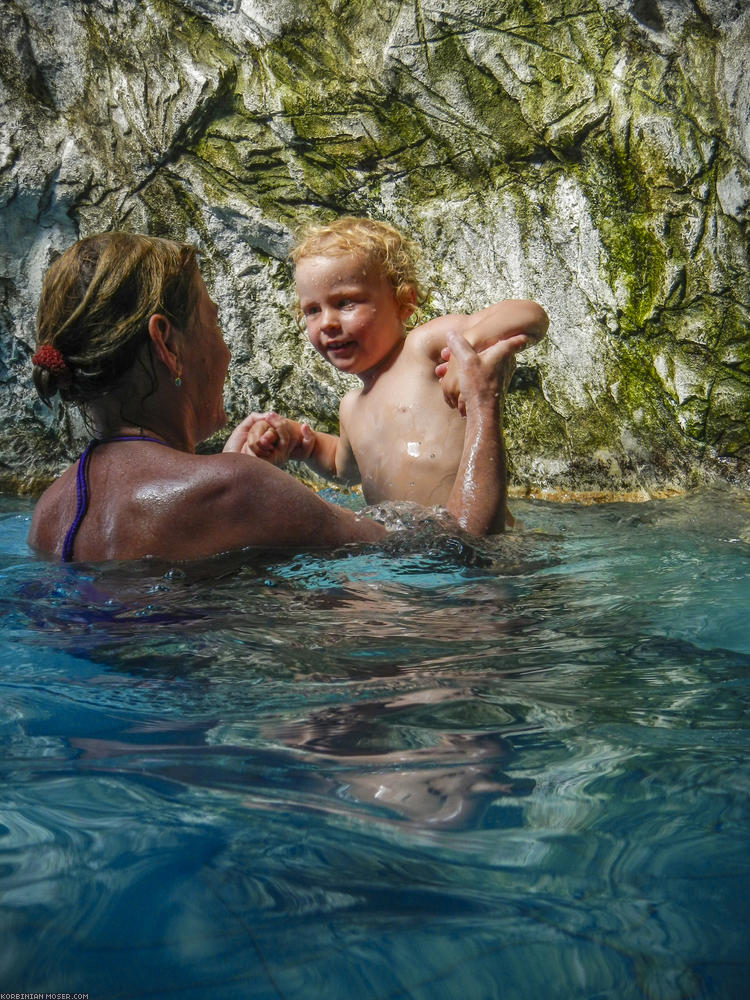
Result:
[{"x": 413, "y": 448}]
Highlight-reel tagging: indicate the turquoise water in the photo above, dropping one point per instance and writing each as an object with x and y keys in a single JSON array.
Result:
[{"x": 516, "y": 769}]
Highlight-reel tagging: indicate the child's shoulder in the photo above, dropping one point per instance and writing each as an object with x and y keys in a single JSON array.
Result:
[{"x": 348, "y": 400}]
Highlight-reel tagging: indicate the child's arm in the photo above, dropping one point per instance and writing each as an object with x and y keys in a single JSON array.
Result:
[
  {"x": 268, "y": 436},
  {"x": 276, "y": 439},
  {"x": 506, "y": 319},
  {"x": 511, "y": 318},
  {"x": 329, "y": 455}
]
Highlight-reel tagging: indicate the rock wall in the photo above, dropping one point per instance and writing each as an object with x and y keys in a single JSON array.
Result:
[{"x": 591, "y": 154}]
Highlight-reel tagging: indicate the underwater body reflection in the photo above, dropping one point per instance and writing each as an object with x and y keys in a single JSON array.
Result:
[{"x": 511, "y": 768}]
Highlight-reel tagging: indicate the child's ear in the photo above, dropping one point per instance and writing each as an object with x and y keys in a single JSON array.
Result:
[{"x": 408, "y": 302}]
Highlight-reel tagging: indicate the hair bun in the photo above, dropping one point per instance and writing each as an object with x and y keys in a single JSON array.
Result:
[
  {"x": 50, "y": 358},
  {"x": 51, "y": 372}
]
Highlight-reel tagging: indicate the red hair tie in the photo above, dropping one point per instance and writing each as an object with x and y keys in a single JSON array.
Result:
[{"x": 50, "y": 358}]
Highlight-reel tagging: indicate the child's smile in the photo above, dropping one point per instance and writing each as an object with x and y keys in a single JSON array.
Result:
[{"x": 352, "y": 316}]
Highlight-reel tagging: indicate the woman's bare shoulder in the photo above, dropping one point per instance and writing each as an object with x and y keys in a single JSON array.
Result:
[
  {"x": 239, "y": 501},
  {"x": 187, "y": 507},
  {"x": 53, "y": 514}
]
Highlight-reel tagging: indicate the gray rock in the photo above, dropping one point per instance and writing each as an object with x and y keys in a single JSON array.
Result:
[{"x": 592, "y": 155}]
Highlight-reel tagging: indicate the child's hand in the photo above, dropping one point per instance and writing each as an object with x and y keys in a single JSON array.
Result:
[{"x": 446, "y": 373}]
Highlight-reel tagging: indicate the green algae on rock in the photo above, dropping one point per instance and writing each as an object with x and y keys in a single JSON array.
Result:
[{"x": 592, "y": 155}]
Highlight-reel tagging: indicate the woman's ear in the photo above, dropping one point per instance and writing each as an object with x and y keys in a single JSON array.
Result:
[{"x": 164, "y": 342}]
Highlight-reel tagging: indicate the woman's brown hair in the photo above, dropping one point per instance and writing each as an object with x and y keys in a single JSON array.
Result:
[{"x": 96, "y": 301}]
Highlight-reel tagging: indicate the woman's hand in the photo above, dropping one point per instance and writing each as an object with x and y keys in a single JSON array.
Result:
[{"x": 500, "y": 355}]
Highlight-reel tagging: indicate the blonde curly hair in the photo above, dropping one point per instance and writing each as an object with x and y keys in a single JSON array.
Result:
[{"x": 374, "y": 242}]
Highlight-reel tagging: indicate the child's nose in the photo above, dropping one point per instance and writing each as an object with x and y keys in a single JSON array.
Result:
[{"x": 329, "y": 318}]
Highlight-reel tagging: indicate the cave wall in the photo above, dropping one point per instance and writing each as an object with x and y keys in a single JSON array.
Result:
[{"x": 591, "y": 154}]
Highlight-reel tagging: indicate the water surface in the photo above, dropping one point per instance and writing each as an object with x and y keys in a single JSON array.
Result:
[{"x": 512, "y": 769}]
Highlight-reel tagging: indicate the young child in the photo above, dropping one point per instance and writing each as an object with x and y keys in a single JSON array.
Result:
[{"x": 402, "y": 432}]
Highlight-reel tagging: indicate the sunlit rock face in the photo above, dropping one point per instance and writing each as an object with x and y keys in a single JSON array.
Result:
[{"x": 591, "y": 154}]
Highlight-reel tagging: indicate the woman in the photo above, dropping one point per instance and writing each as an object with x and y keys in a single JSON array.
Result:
[{"x": 128, "y": 332}]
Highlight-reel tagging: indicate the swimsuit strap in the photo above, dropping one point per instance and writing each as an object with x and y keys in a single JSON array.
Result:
[
  {"x": 82, "y": 491},
  {"x": 131, "y": 437},
  {"x": 82, "y": 498}
]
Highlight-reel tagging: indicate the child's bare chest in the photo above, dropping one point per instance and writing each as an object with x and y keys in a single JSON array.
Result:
[{"x": 407, "y": 441}]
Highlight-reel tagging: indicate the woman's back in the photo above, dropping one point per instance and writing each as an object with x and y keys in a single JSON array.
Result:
[{"x": 145, "y": 499}]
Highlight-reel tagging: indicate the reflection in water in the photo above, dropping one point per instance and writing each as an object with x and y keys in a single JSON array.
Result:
[
  {"x": 440, "y": 770},
  {"x": 441, "y": 780}
]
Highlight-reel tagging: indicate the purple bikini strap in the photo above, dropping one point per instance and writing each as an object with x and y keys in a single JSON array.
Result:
[
  {"x": 132, "y": 437},
  {"x": 82, "y": 492}
]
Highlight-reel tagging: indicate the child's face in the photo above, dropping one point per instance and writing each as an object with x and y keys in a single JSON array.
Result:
[{"x": 353, "y": 318}]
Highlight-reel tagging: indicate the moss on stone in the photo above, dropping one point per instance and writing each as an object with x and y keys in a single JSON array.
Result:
[{"x": 398, "y": 110}]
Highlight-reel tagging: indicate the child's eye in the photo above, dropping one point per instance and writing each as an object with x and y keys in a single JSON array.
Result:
[
  {"x": 310, "y": 310},
  {"x": 344, "y": 303}
]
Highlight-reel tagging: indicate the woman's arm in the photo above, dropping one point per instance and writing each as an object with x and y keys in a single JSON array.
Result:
[
  {"x": 228, "y": 502},
  {"x": 479, "y": 493}
]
